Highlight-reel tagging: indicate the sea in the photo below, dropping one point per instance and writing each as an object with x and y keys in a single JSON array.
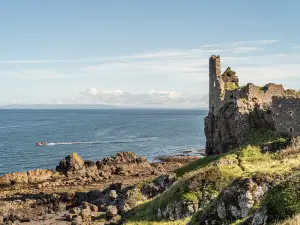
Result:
[{"x": 95, "y": 134}]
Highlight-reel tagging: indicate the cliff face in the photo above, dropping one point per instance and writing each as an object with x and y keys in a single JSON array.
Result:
[{"x": 230, "y": 126}]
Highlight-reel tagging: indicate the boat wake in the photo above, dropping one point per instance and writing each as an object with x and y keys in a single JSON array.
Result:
[
  {"x": 79, "y": 142},
  {"x": 103, "y": 142}
]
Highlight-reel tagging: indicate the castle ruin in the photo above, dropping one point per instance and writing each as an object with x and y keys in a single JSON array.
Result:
[{"x": 234, "y": 110}]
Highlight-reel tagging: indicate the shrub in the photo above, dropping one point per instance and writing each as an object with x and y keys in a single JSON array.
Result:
[{"x": 283, "y": 201}]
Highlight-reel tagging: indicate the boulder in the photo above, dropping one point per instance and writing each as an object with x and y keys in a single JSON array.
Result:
[
  {"x": 128, "y": 198},
  {"x": 122, "y": 164},
  {"x": 72, "y": 164}
]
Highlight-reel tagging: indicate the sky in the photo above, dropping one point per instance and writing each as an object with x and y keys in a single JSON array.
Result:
[{"x": 142, "y": 53}]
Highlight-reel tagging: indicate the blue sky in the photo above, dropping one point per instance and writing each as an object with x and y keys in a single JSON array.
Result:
[{"x": 141, "y": 52}]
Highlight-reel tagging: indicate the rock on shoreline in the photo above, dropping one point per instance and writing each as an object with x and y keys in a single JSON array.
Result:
[{"x": 80, "y": 191}]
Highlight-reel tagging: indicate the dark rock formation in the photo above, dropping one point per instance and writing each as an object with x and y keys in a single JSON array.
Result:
[
  {"x": 122, "y": 164},
  {"x": 158, "y": 186}
]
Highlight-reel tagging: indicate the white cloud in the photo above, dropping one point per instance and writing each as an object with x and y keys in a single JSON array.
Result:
[
  {"x": 210, "y": 46},
  {"x": 153, "y": 98},
  {"x": 254, "y": 42},
  {"x": 240, "y": 50},
  {"x": 146, "y": 55},
  {"x": 182, "y": 71}
]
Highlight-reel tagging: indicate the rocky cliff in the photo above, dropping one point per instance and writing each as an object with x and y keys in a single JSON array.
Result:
[{"x": 230, "y": 126}]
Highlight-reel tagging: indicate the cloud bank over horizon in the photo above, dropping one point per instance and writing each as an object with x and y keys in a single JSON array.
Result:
[{"x": 158, "y": 78}]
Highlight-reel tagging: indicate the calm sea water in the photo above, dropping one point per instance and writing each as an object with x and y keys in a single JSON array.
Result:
[{"x": 146, "y": 132}]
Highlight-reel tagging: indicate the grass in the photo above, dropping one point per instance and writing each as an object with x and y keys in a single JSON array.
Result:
[
  {"x": 195, "y": 184},
  {"x": 205, "y": 178},
  {"x": 197, "y": 164},
  {"x": 148, "y": 210},
  {"x": 176, "y": 222},
  {"x": 231, "y": 86}
]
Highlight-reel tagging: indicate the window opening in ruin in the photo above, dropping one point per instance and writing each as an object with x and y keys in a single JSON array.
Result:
[
  {"x": 214, "y": 84},
  {"x": 290, "y": 113},
  {"x": 279, "y": 106},
  {"x": 291, "y": 129}
]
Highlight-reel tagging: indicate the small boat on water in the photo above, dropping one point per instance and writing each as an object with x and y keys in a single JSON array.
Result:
[
  {"x": 41, "y": 143},
  {"x": 44, "y": 144}
]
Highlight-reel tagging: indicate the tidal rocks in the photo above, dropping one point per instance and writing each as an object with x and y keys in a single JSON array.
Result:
[
  {"x": 39, "y": 175},
  {"x": 83, "y": 214},
  {"x": 30, "y": 177},
  {"x": 122, "y": 164},
  {"x": 71, "y": 164},
  {"x": 30, "y": 207},
  {"x": 14, "y": 178},
  {"x": 72, "y": 178}
]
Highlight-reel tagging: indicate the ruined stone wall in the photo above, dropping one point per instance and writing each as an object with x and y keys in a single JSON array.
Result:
[
  {"x": 286, "y": 114},
  {"x": 264, "y": 94},
  {"x": 234, "y": 110}
]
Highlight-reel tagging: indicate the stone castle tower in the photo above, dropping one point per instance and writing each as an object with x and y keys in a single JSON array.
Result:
[
  {"x": 219, "y": 83},
  {"x": 214, "y": 83}
]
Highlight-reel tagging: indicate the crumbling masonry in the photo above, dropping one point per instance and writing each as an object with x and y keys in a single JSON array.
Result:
[{"x": 234, "y": 110}]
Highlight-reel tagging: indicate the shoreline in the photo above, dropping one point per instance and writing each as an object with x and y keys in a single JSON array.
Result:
[
  {"x": 186, "y": 152},
  {"x": 39, "y": 196}
]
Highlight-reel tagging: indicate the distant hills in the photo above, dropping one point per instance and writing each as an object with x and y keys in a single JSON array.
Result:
[
  {"x": 82, "y": 106},
  {"x": 60, "y": 106}
]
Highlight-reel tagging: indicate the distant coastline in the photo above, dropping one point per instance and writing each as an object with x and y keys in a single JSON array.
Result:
[{"x": 93, "y": 106}]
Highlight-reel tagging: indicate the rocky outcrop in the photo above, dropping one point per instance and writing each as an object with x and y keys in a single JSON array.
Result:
[
  {"x": 159, "y": 185},
  {"x": 230, "y": 127},
  {"x": 30, "y": 177},
  {"x": 82, "y": 215},
  {"x": 122, "y": 164},
  {"x": 225, "y": 130},
  {"x": 30, "y": 207},
  {"x": 237, "y": 203},
  {"x": 74, "y": 166}
]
